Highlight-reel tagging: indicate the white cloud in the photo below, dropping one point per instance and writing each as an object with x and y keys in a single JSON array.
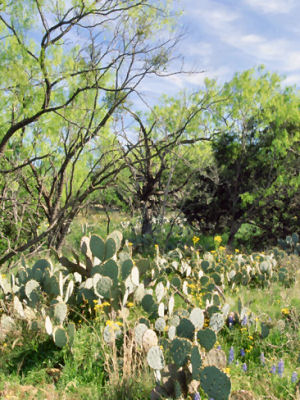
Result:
[
  {"x": 272, "y": 6},
  {"x": 293, "y": 79}
]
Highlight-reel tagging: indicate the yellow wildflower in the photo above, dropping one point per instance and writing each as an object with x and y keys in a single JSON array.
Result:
[
  {"x": 195, "y": 239},
  {"x": 222, "y": 248},
  {"x": 237, "y": 250},
  {"x": 119, "y": 323},
  {"x": 156, "y": 246},
  {"x": 250, "y": 337},
  {"x": 105, "y": 304},
  {"x": 218, "y": 239},
  {"x": 129, "y": 304},
  {"x": 226, "y": 370},
  {"x": 285, "y": 311},
  {"x": 130, "y": 244}
]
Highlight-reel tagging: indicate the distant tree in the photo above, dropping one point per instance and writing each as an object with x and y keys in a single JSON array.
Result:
[
  {"x": 255, "y": 177},
  {"x": 166, "y": 153},
  {"x": 66, "y": 68}
]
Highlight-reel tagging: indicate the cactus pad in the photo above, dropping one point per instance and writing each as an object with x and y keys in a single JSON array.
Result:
[
  {"x": 196, "y": 362},
  {"x": 206, "y": 338},
  {"x": 185, "y": 329},
  {"x": 149, "y": 339},
  {"x": 197, "y": 318},
  {"x": 180, "y": 350},
  {"x": 60, "y": 337},
  {"x": 215, "y": 383},
  {"x": 155, "y": 358}
]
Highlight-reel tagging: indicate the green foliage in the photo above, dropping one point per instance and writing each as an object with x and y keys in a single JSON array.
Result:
[{"x": 254, "y": 178}]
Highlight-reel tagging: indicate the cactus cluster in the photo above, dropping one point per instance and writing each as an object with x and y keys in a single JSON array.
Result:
[{"x": 290, "y": 244}]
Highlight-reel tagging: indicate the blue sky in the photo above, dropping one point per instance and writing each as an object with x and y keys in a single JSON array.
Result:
[{"x": 226, "y": 36}]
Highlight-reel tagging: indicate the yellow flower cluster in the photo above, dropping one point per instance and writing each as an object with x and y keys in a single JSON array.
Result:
[
  {"x": 112, "y": 324},
  {"x": 218, "y": 239},
  {"x": 129, "y": 304},
  {"x": 195, "y": 239},
  {"x": 285, "y": 311},
  {"x": 101, "y": 306},
  {"x": 226, "y": 371}
]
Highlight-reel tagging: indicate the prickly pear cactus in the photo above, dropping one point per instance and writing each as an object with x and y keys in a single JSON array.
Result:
[{"x": 215, "y": 383}]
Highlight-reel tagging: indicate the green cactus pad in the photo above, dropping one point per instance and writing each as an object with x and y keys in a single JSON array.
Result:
[
  {"x": 176, "y": 282},
  {"x": 197, "y": 318},
  {"x": 97, "y": 247},
  {"x": 212, "y": 310},
  {"x": 196, "y": 362},
  {"x": 111, "y": 269},
  {"x": 50, "y": 285},
  {"x": 217, "y": 278},
  {"x": 126, "y": 268},
  {"x": 185, "y": 329},
  {"x": 205, "y": 266},
  {"x": 148, "y": 303},
  {"x": 204, "y": 280},
  {"x": 103, "y": 286},
  {"x": 110, "y": 248},
  {"x": 60, "y": 337},
  {"x": 21, "y": 276},
  {"x": 143, "y": 265},
  {"x": 215, "y": 383},
  {"x": 155, "y": 358},
  {"x": 42, "y": 264},
  {"x": 117, "y": 237},
  {"x": 180, "y": 350},
  {"x": 207, "y": 338},
  {"x": 32, "y": 291}
]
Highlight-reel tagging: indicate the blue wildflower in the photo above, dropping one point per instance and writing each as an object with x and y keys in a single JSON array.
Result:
[
  {"x": 219, "y": 347},
  {"x": 244, "y": 321},
  {"x": 273, "y": 369},
  {"x": 242, "y": 351},
  {"x": 231, "y": 355},
  {"x": 294, "y": 377},
  {"x": 280, "y": 367},
  {"x": 244, "y": 366},
  {"x": 196, "y": 396}
]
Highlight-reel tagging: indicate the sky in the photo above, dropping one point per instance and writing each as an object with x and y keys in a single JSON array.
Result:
[{"x": 227, "y": 36}]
